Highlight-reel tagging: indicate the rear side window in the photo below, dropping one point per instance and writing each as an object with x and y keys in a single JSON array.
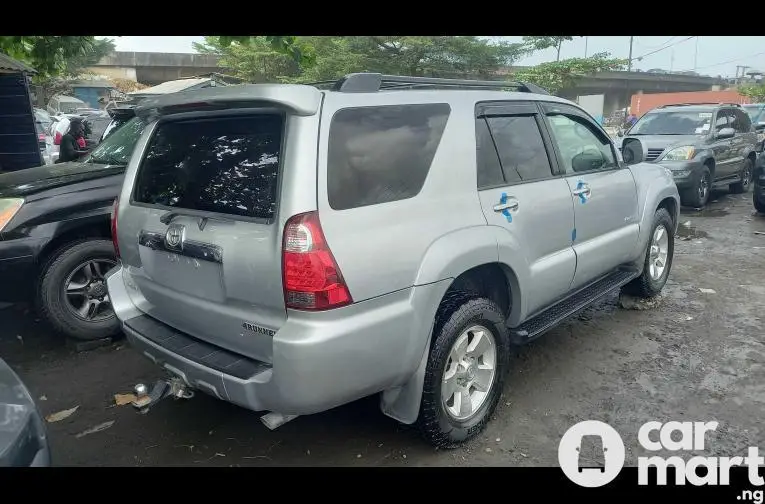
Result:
[
  {"x": 382, "y": 154},
  {"x": 743, "y": 124},
  {"x": 225, "y": 165}
]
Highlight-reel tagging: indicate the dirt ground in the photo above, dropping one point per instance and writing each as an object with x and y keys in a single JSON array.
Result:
[{"x": 695, "y": 355}]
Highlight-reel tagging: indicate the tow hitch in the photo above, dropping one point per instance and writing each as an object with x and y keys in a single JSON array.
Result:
[{"x": 164, "y": 388}]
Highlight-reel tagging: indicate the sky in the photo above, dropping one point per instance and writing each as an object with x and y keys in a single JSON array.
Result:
[{"x": 707, "y": 55}]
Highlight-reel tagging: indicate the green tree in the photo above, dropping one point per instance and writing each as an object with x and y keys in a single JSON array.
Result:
[
  {"x": 253, "y": 59},
  {"x": 754, "y": 91},
  {"x": 557, "y": 75},
  {"x": 542, "y": 43},
  {"x": 56, "y": 56}
]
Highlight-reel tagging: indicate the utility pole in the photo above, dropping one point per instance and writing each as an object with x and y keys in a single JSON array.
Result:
[
  {"x": 586, "y": 40},
  {"x": 696, "y": 55},
  {"x": 629, "y": 61},
  {"x": 627, "y": 86}
]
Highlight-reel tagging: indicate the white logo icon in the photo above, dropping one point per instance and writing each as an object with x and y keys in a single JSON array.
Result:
[{"x": 591, "y": 453}]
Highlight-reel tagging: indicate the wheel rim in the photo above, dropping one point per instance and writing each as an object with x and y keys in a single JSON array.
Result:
[
  {"x": 703, "y": 188},
  {"x": 658, "y": 252},
  {"x": 85, "y": 290},
  {"x": 747, "y": 176},
  {"x": 469, "y": 373}
]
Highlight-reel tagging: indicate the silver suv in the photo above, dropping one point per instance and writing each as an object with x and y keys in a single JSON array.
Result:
[{"x": 291, "y": 249}]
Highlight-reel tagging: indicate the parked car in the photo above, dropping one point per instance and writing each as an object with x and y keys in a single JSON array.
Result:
[
  {"x": 23, "y": 437},
  {"x": 705, "y": 146},
  {"x": 55, "y": 235},
  {"x": 758, "y": 195},
  {"x": 756, "y": 113},
  {"x": 62, "y": 104},
  {"x": 95, "y": 125},
  {"x": 291, "y": 249}
]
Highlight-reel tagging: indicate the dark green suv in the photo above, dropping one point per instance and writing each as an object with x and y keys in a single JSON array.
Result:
[{"x": 705, "y": 146}]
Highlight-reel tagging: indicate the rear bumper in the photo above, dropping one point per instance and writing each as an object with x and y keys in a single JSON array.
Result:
[
  {"x": 17, "y": 270},
  {"x": 320, "y": 360}
]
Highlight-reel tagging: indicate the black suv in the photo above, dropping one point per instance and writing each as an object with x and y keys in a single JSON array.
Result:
[{"x": 705, "y": 146}]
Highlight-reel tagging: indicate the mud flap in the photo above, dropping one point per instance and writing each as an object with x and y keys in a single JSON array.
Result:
[{"x": 403, "y": 403}]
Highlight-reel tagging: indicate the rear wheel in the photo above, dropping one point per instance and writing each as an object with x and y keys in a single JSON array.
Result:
[
  {"x": 466, "y": 371},
  {"x": 742, "y": 186},
  {"x": 698, "y": 195},
  {"x": 72, "y": 293},
  {"x": 759, "y": 203}
]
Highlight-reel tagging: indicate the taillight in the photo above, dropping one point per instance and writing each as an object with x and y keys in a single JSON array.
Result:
[
  {"x": 311, "y": 276},
  {"x": 57, "y": 139},
  {"x": 41, "y": 137},
  {"x": 114, "y": 226}
]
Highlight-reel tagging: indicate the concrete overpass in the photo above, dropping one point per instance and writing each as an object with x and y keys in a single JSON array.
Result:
[{"x": 155, "y": 68}]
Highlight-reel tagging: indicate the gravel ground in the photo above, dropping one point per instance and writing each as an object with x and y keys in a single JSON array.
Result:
[{"x": 693, "y": 355}]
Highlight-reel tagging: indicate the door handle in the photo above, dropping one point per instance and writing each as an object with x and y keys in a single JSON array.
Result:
[
  {"x": 585, "y": 189},
  {"x": 510, "y": 204}
]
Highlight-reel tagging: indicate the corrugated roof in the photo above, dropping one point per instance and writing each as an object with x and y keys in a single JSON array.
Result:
[
  {"x": 8, "y": 63},
  {"x": 170, "y": 87}
]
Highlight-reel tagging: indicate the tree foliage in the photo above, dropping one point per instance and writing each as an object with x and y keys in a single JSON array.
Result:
[
  {"x": 56, "y": 56},
  {"x": 754, "y": 91},
  {"x": 254, "y": 59},
  {"x": 557, "y": 75}
]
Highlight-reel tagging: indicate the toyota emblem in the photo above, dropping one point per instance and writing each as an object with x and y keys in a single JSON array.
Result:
[{"x": 174, "y": 236}]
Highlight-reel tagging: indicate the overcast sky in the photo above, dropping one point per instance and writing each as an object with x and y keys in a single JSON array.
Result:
[{"x": 707, "y": 55}]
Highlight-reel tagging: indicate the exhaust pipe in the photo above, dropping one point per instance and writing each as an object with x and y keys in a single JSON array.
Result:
[{"x": 274, "y": 420}]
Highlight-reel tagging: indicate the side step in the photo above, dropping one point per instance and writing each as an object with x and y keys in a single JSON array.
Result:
[{"x": 568, "y": 306}]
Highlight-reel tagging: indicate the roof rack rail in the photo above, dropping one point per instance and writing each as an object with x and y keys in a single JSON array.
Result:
[
  {"x": 367, "y": 82},
  {"x": 731, "y": 104}
]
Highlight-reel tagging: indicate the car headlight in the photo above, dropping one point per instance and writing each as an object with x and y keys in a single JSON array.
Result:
[
  {"x": 9, "y": 207},
  {"x": 683, "y": 153}
]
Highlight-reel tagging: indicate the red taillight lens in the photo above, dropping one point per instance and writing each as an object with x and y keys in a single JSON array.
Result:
[
  {"x": 57, "y": 139},
  {"x": 311, "y": 276},
  {"x": 41, "y": 137},
  {"x": 114, "y": 227}
]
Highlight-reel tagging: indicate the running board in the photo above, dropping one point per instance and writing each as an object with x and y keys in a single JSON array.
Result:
[{"x": 568, "y": 306}]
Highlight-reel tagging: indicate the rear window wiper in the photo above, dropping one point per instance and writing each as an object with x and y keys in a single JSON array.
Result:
[{"x": 168, "y": 217}]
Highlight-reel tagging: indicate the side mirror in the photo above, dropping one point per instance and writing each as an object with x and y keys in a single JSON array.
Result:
[
  {"x": 633, "y": 151},
  {"x": 726, "y": 133}
]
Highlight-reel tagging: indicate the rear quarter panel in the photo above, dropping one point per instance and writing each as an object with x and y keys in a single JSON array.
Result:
[{"x": 381, "y": 248}]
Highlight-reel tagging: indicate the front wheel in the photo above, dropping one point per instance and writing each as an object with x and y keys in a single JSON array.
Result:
[
  {"x": 759, "y": 203},
  {"x": 465, "y": 373},
  {"x": 742, "y": 186},
  {"x": 698, "y": 195},
  {"x": 658, "y": 258},
  {"x": 72, "y": 293}
]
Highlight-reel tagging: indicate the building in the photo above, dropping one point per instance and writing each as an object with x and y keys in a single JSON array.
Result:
[{"x": 93, "y": 92}]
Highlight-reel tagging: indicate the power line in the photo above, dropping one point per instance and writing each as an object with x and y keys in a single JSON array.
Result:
[
  {"x": 729, "y": 61},
  {"x": 663, "y": 48},
  {"x": 657, "y": 45}
]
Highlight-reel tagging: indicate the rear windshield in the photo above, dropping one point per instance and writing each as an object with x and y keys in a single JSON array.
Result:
[{"x": 225, "y": 165}]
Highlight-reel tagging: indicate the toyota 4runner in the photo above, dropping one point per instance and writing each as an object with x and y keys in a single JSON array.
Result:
[{"x": 290, "y": 248}]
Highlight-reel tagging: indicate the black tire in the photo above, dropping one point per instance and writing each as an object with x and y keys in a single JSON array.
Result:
[
  {"x": 693, "y": 197},
  {"x": 644, "y": 286},
  {"x": 745, "y": 183},
  {"x": 457, "y": 313},
  {"x": 52, "y": 299},
  {"x": 759, "y": 204}
]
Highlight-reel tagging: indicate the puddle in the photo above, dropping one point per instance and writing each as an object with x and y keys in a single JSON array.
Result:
[
  {"x": 706, "y": 212},
  {"x": 690, "y": 232}
]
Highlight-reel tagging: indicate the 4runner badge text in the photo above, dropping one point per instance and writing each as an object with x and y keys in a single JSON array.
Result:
[{"x": 258, "y": 329}]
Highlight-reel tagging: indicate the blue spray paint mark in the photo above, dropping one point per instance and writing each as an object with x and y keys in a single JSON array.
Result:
[
  {"x": 573, "y": 235},
  {"x": 582, "y": 197},
  {"x": 505, "y": 212}
]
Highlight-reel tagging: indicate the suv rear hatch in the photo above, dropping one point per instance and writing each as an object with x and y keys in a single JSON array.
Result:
[{"x": 200, "y": 231}]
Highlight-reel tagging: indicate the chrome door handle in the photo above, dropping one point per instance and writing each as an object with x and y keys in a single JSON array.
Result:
[{"x": 509, "y": 205}]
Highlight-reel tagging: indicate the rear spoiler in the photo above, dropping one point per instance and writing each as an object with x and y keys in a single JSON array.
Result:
[{"x": 123, "y": 113}]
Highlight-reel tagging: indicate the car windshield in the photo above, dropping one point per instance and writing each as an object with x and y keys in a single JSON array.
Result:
[
  {"x": 684, "y": 122},
  {"x": 118, "y": 147},
  {"x": 755, "y": 112}
]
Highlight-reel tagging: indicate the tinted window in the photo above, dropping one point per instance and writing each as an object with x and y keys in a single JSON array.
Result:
[
  {"x": 489, "y": 169},
  {"x": 581, "y": 147},
  {"x": 382, "y": 154},
  {"x": 742, "y": 124},
  {"x": 118, "y": 148},
  {"x": 520, "y": 146},
  {"x": 224, "y": 165},
  {"x": 721, "y": 121}
]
